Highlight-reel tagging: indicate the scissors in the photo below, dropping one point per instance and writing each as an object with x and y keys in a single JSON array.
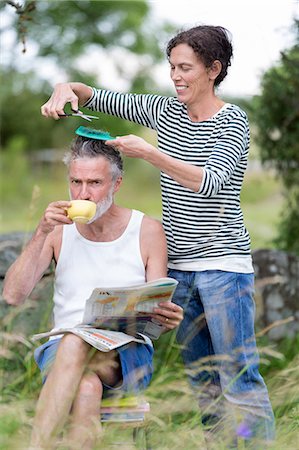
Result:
[{"x": 79, "y": 114}]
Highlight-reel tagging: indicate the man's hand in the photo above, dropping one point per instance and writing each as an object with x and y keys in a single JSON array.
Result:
[
  {"x": 54, "y": 215},
  {"x": 168, "y": 314}
]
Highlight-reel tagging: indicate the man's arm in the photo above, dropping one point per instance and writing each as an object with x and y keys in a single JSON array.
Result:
[
  {"x": 27, "y": 270},
  {"x": 153, "y": 248},
  {"x": 154, "y": 252},
  {"x": 74, "y": 93}
]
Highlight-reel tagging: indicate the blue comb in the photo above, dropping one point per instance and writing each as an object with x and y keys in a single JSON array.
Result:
[{"x": 94, "y": 134}]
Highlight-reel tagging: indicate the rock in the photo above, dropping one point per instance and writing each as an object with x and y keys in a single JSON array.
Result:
[
  {"x": 277, "y": 292},
  {"x": 10, "y": 247}
]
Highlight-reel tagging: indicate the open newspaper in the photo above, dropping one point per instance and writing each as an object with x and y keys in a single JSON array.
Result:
[{"x": 116, "y": 316}]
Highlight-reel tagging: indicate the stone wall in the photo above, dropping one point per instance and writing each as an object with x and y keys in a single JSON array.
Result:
[{"x": 277, "y": 292}]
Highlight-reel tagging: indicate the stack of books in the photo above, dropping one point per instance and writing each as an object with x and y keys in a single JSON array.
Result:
[{"x": 127, "y": 409}]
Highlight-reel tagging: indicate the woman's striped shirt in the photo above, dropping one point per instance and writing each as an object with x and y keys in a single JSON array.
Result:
[{"x": 200, "y": 226}]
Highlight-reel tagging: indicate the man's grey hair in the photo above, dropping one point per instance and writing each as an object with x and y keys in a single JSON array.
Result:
[{"x": 83, "y": 147}]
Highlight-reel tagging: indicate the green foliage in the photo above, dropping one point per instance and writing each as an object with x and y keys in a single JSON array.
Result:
[
  {"x": 20, "y": 115},
  {"x": 276, "y": 113},
  {"x": 73, "y": 28},
  {"x": 288, "y": 238},
  {"x": 72, "y": 25}
]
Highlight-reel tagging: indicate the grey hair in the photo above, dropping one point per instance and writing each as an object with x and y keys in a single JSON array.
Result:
[{"x": 83, "y": 147}]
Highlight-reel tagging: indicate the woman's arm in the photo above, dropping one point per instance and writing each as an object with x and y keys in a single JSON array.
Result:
[
  {"x": 231, "y": 146},
  {"x": 185, "y": 174}
]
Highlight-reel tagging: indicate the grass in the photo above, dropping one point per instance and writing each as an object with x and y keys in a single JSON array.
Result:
[
  {"x": 173, "y": 422},
  {"x": 262, "y": 203}
]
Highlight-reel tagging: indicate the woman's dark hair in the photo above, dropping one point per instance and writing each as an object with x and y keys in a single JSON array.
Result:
[
  {"x": 209, "y": 43},
  {"x": 83, "y": 147}
]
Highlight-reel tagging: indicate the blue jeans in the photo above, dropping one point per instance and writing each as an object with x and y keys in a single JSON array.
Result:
[{"x": 219, "y": 351}]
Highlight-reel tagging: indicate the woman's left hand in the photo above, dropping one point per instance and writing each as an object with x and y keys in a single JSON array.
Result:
[{"x": 168, "y": 314}]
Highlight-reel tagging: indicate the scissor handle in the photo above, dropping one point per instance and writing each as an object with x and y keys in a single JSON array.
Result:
[
  {"x": 74, "y": 112},
  {"x": 78, "y": 113}
]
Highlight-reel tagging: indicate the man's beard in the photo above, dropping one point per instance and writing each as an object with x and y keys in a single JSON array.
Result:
[{"x": 103, "y": 206}]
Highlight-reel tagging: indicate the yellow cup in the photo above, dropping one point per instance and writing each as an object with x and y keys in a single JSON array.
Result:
[{"x": 81, "y": 211}]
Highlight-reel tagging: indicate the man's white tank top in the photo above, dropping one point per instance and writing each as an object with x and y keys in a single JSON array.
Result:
[{"x": 84, "y": 265}]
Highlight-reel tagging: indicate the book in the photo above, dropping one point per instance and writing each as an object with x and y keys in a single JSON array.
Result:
[
  {"x": 124, "y": 409},
  {"x": 116, "y": 316}
]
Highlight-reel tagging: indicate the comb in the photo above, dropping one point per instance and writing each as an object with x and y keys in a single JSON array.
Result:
[{"x": 94, "y": 134}]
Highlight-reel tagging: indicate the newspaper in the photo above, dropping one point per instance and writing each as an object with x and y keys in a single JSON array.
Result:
[
  {"x": 103, "y": 340},
  {"x": 116, "y": 316}
]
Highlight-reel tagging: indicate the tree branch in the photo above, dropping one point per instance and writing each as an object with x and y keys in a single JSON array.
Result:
[{"x": 24, "y": 17}]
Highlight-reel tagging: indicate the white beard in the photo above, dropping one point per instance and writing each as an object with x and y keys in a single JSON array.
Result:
[{"x": 103, "y": 206}]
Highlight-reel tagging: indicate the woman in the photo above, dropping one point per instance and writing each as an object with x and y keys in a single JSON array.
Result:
[{"x": 202, "y": 153}]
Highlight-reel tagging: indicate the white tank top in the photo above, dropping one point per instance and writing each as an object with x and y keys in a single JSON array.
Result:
[{"x": 84, "y": 265}]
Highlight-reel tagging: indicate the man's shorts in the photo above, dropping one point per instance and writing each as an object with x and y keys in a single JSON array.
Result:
[{"x": 136, "y": 362}]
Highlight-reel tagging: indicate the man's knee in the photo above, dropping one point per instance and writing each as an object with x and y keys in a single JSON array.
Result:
[
  {"x": 73, "y": 350},
  {"x": 90, "y": 386}
]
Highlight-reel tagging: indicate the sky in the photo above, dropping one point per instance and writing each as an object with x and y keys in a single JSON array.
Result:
[{"x": 260, "y": 30}]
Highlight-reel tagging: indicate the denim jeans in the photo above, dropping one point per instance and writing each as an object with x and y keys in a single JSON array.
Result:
[{"x": 219, "y": 351}]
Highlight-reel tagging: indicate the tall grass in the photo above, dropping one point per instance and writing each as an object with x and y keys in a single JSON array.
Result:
[{"x": 174, "y": 420}]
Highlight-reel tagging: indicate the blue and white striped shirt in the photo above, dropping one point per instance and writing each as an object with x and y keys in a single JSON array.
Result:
[{"x": 204, "y": 226}]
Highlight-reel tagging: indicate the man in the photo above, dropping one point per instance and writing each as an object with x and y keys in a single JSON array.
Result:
[{"x": 117, "y": 247}]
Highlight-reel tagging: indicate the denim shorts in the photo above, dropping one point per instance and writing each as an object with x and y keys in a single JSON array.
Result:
[{"x": 136, "y": 362}]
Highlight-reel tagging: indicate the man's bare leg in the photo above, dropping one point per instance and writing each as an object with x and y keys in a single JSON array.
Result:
[
  {"x": 85, "y": 419},
  {"x": 59, "y": 391},
  {"x": 86, "y": 425}
]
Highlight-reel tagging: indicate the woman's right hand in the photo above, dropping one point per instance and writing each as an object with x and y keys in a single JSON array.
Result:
[{"x": 73, "y": 93}]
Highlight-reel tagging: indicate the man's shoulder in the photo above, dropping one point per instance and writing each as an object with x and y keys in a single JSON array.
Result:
[
  {"x": 148, "y": 224},
  {"x": 151, "y": 224}
]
